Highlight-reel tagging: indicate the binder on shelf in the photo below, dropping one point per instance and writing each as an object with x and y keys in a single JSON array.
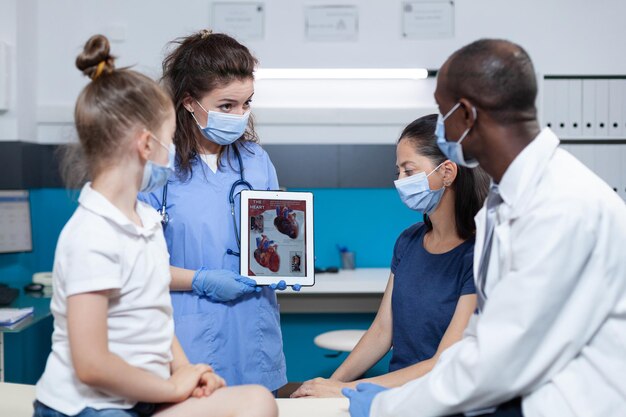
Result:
[
  {"x": 549, "y": 104},
  {"x": 617, "y": 89},
  {"x": 585, "y": 154},
  {"x": 575, "y": 102},
  {"x": 621, "y": 190},
  {"x": 602, "y": 109},
  {"x": 589, "y": 108},
  {"x": 561, "y": 112},
  {"x": 603, "y": 160}
]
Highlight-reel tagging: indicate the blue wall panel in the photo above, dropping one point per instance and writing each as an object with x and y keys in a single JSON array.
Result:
[{"x": 367, "y": 221}]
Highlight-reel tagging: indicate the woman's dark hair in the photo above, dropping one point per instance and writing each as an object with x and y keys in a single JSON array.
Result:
[
  {"x": 470, "y": 185},
  {"x": 198, "y": 64},
  {"x": 114, "y": 103}
]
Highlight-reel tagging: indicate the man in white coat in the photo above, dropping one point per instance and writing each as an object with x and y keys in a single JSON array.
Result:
[{"x": 549, "y": 337}]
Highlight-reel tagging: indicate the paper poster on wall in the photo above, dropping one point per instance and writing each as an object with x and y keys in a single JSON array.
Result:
[
  {"x": 428, "y": 19},
  {"x": 244, "y": 21},
  {"x": 15, "y": 224},
  {"x": 331, "y": 23}
]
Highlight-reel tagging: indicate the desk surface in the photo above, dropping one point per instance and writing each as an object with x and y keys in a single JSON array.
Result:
[
  {"x": 17, "y": 401},
  {"x": 355, "y": 281},
  {"x": 41, "y": 310},
  {"x": 313, "y": 407}
]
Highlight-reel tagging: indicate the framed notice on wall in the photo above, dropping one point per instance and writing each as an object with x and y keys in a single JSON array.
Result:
[
  {"x": 244, "y": 21},
  {"x": 331, "y": 23},
  {"x": 428, "y": 19}
]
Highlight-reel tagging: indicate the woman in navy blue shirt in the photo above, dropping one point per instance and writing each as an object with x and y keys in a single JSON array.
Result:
[{"x": 430, "y": 295}]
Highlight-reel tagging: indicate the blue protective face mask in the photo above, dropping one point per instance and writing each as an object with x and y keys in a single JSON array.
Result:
[
  {"x": 154, "y": 175},
  {"x": 223, "y": 128},
  {"x": 453, "y": 150},
  {"x": 415, "y": 192}
]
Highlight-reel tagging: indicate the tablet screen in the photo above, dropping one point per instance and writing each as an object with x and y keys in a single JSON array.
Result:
[{"x": 277, "y": 237}]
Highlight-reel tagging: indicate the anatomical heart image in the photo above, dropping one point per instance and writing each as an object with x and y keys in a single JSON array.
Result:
[
  {"x": 266, "y": 254},
  {"x": 286, "y": 222}
]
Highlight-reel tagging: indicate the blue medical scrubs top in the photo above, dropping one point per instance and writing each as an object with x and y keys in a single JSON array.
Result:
[
  {"x": 426, "y": 289},
  {"x": 242, "y": 339}
]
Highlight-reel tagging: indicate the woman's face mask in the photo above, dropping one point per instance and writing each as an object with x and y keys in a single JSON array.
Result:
[
  {"x": 223, "y": 128},
  {"x": 415, "y": 192}
]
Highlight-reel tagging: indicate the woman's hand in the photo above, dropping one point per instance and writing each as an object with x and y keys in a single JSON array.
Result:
[
  {"x": 321, "y": 388},
  {"x": 186, "y": 380}
]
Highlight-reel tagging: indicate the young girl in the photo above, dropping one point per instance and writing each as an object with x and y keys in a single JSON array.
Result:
[
  {"x": 114, "y": 352},
  {"x": 430, "y": 295},
  {"x": 221, "y": 317}
]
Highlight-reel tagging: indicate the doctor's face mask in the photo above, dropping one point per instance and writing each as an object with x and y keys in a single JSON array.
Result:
[{"x": 453, "y": 150}]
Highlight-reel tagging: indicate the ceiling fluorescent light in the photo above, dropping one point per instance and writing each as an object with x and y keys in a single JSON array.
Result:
[{"x": 341, "y": 74}]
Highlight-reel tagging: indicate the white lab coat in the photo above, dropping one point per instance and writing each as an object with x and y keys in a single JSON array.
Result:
[{"x": 553, "y": 329}]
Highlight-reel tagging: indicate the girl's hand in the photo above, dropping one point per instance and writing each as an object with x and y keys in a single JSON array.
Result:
[
  {"x": 208, "y": 384},
  {"x": 186, "y": 379},
  {"x": 321, "y": 388}
]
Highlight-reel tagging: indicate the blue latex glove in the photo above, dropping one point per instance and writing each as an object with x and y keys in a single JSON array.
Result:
[
  {"x": 282, "y": 286},
  {"x": 222, "y": 285},
  {"x": 361, "y": 398}
]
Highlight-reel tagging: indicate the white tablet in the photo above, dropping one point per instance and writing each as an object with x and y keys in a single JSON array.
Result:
[{"x": 277, "y": 237}]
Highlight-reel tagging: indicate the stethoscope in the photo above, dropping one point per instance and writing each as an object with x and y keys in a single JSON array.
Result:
[{"x": 165, "y": 218}]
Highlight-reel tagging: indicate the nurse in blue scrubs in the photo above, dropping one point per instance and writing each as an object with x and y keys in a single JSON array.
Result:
[
  {"x": 430, "y": 295},
  {"x": 221, "y": 318}
]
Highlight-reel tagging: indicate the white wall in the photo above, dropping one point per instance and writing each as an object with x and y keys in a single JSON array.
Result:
[
  {"x": 27, "y": 63},
  {"x": 18, "y": 29},
  {"x": 562, "y": 36},
  {"x": 8, "y": 34}
]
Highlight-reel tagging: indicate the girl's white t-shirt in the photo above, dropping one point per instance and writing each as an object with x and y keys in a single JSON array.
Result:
[{"x": 101, "y": 249}]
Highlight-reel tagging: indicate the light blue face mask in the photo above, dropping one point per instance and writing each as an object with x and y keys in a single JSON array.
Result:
[
  {"x": 453, "y": 150},
  {"x": 154, "y": 175},
  {"x": 223, "y": 128},
  {"x": 415, "y": 192}
]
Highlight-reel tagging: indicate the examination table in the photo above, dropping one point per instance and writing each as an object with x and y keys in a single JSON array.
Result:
[{"x": 17, "y": 401}]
